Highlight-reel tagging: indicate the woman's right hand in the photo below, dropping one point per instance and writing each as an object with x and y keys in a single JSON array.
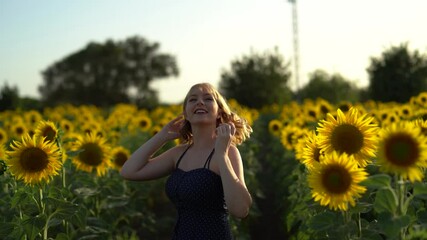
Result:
[{"x": 171, "y": 130}]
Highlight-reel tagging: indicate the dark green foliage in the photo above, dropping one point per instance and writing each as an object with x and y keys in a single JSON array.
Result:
[
  {"x": 104, "y": 74},
  {"x": 257, "y": 80},
  {"x": 333, "y": 88},
  {"x": 9, "y": 98},
  {"x": 397, "y": 75}
]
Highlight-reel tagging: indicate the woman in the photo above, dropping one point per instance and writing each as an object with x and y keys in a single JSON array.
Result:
[{"x": 206, "y": 178}]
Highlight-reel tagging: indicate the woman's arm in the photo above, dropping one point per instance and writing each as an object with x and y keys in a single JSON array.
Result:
[
  {"x": 142, "y": 166},
  {"x": 236, "y": 194}
]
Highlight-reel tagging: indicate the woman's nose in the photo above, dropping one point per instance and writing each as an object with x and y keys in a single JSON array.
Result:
[{"x": 200, "y": 102}]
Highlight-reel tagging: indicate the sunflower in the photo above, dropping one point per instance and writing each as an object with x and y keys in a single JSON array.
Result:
[
  {"x": 421, "y": 124},
  {"x": 94, "y": 154},
  {"x": 403, "y": 151},
  {"x": 344, "y": 106},
  {"x": 91, "y": 127},
  {"x": 335, "y": 181},
  {"x": 274, "y": 127},
  {"x": 66, "y": 125},
  {"x": 3, "y": 136},
  {"x": 142, "y": 123},
  {"x": 3, "y": 166},
  {"x": 289, "y": 136},
  {"x": 324, "y": 107},
  {"x": 47, "y": 129},
  {"x": 19, "y": 129},
  {"x": 421, "y": 113},
  {"x": 349, "y": 133},
  {"x": 34, "y": 160},
  {"x": 311, "y": 153},
  {"x": 422, "y": 99},
  {"x": 391, "y": 118},
  {"x": 120, "y": 155},
  {"x": 155, "y": 129},
  {"x": 382, "y": 114},
  {"x": 311, "y": 112},
  {"x": 405, "y": 111},
  {"x": 32, "y": 117}
]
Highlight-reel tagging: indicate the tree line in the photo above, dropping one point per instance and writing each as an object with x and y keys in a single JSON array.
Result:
[{"x": 105, "y": 74}]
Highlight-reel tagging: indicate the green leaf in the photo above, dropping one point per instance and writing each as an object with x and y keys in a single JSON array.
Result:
[
  {"x": 422, "y": 216},
  {"x": 385, "y": 201},
  {"x": 72, "y": 154},
  {"x": 420, "y": 190},
  {"x": 86, "y": 192},
  {"x": 377, "y": 181},
  {"x": 20, "y": 197},
  {"x": 34, "y": 225},
  {"x": 6, "y": 229},
  {"x": 323, "y": 221},
  {"x": 62, "y": 236},
  {"x": 80, "y": 218},
  {"x": 391, "y": 226}
]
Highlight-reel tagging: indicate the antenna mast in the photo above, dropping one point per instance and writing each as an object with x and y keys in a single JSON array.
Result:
[{"x": 295, "y": 42}]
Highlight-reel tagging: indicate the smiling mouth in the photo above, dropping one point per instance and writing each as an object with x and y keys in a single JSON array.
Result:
[{"x": 200, "y": 111}]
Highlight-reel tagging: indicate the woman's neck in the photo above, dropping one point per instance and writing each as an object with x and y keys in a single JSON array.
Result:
[{"x": 203, "y": 137}]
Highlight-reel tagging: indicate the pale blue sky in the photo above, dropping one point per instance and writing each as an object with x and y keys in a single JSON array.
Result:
[{"x": 205, "y": 36}]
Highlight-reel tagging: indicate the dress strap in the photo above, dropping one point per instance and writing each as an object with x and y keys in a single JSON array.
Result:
[
  {"x": 208, "y": 161},
  {"x": 182, "y": 155}
]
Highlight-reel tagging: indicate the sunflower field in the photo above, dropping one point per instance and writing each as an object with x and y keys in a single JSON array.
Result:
[{"x": 316, "y": 170}]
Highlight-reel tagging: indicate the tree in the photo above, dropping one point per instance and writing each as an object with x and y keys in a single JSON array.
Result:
[
  {"x": 9, "y": 97},
  {"x": 333, "y": 88},
  {"x": 257, "y": 80},
  {"x": 104, "y": 74},
  {"x": 397, "y": 75}
]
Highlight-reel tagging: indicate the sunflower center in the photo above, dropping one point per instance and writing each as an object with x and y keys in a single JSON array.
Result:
[
  {"x": 324, "y": 109},
  {"x": 289, "y": 138},
  {"x": 347, "y": 138},
  {"x": 19, "y": 130},
  {"x": 92, "y": 154},
  {"x": 33, "y": 159},
  {"x": 401, "y": 150},
  {"x": 120, "y": 159},
  {"x": 49, "y": 133},
  {"x": 143, "y": 123},
  {"x": 336, "y": 179},
  {"x": 316, "y": 154}
]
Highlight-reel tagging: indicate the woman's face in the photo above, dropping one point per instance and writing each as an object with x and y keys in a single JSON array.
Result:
[{"x": 201, "y": 106}]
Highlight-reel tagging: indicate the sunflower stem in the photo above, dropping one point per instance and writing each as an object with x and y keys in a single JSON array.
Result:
[
  {"x": 401, "y": 210},
  {"x": 63, "y": 177},
  {"x": 359, "y": 225},
  {"x": 403, "y": 205},
  {"x": 43, "y": 211},
  {"x": 42, "y": 205},
  {"x": 347, "y": 220}
]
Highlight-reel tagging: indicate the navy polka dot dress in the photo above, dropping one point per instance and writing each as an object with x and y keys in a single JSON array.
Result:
[{"x": 199, "y": 199}]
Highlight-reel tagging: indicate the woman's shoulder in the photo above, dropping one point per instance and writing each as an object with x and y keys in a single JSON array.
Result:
[{"x": 180, "y": 148}]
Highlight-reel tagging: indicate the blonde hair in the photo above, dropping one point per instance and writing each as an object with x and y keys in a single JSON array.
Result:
[{"x": 243, "y": 129}]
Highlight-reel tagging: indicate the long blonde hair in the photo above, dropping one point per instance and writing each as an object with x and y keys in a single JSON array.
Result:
[{"x": 243, "y": 129}]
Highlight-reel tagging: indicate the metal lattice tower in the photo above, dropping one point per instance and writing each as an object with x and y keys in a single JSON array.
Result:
[{"x": 295, "y": 42}]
